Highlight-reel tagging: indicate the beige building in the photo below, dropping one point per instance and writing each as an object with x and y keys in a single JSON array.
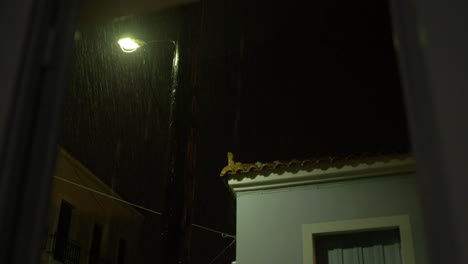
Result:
[{"x": 85, "y": 224}]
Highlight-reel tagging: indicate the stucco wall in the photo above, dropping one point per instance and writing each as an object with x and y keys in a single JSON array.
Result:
[
  {"x": 120, "y": 221},
  {"x": 269, "y": 223}
]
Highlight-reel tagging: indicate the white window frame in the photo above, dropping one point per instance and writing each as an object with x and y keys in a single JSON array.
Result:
[{"x": 402, "y": 222}]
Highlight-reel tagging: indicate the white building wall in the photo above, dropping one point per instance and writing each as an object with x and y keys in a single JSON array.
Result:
[{"x": 269, "y": 222}]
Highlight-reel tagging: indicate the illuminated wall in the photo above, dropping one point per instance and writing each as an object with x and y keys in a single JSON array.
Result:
[
  {"x": 269, "y": 222},
  {"x": 119, "y": 220}
]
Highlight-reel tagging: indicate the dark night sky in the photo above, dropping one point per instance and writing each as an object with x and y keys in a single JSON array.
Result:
[
  {"x": 277, "y": 81},
  {"x": 319, "y": 81}
]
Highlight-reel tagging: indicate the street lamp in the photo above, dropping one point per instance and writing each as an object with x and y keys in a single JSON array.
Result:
[{"x": 129, "y": 45}]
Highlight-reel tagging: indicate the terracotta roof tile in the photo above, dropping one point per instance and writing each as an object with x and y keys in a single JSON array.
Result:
[{"x": 234, "y": 167}]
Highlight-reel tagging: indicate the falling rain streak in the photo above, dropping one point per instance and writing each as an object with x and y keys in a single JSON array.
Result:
[{"x": 116, "y": 115}]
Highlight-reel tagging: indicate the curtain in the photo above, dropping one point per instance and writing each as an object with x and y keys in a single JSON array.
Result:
[
  {"x": 362, "y": 247},
  {"x": 378, "y": 254}
]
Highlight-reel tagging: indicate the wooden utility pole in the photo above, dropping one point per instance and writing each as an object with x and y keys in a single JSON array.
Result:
[{"x": 182, "y": 144}]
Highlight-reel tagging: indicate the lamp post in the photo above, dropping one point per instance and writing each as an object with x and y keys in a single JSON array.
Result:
[{"x": 181, "y": 149}]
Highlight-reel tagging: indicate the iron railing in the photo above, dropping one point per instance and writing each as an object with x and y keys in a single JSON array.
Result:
[{"x": 71, "y": 251}]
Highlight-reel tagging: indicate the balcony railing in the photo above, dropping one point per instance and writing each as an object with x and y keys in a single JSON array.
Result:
[{"x": 71, "y": 251}]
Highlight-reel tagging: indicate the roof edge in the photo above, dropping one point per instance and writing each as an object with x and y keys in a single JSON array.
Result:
[
  {"x": 105, "y": 188},
  {"x": 313, "y": 174}
]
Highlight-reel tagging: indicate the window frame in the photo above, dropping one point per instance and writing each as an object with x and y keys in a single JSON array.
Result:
[
  {"x": 35, "y": 72},
  {"x": 402, "y": 222}
]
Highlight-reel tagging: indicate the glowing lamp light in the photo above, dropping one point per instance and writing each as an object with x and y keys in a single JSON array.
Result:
[{"x": 128, "y": 45}]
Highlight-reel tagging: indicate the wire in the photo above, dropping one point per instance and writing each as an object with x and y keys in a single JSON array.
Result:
[
  {"x": 92, "y": 194},
  {"x": 109, "y": 196},
  {"x": 215, "y": 231},
  {"x": 138, "y": 206},
  {"x": 221, "y": 253}
]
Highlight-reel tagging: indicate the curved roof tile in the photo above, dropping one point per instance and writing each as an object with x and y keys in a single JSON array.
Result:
[{"x": 234, "y": 167}]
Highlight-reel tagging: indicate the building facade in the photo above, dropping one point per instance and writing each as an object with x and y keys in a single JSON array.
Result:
[
  {"x": 286, "y": 209},
  {"x": 88, "y": 222}
]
